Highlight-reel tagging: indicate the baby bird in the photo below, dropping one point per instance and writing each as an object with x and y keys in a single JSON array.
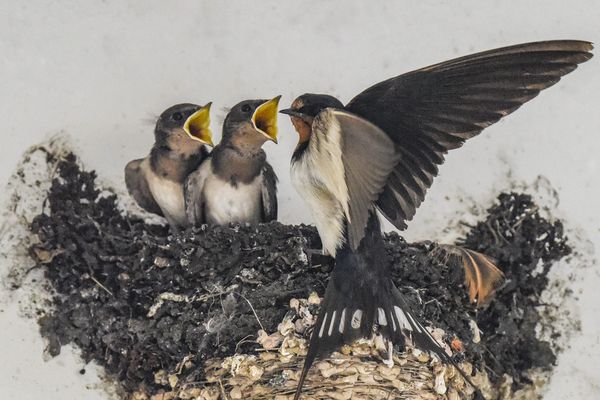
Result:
[
  {"x": 236, "y": 184},
  {"x": 156, "y": 181}
]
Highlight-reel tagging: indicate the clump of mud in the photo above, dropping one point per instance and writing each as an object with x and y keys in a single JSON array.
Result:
[{"x": 143, "y": 302}]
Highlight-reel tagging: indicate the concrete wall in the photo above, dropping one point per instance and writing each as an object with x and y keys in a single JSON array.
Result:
[{"x": 100, "y": 70}]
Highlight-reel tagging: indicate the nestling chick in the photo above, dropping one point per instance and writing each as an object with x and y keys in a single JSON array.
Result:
[
  {"x": 156, "y": 181},
  {"x": 236, "y": 184}
]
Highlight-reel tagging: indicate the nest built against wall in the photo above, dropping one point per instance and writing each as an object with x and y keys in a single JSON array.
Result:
[{"x": 226, "y": 312}]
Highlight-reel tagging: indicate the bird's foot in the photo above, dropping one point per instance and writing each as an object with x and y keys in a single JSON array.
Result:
[{"x": 317, "y": 257}]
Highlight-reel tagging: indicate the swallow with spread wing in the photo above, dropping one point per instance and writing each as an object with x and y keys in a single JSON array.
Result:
[{"x": 381, "y": 152}]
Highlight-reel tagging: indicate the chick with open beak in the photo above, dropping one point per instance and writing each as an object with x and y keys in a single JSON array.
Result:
[
  {"x": 181, "y": 135},
  {"x": 236, "y": 184},
  {"x": 197, "y": 125}
]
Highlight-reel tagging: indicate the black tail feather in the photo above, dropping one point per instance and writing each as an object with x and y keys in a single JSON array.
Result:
[
  {"x": 361, "y": 295},
  {"x": 343, "y": 319}
]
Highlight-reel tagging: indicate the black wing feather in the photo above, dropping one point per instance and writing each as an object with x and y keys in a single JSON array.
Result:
[
  {"x": 269, "y": 194},
  {"x": 435, "y": 109},
  {"x": 137, "y": 185},
  {"x": 192, "y": 194}
]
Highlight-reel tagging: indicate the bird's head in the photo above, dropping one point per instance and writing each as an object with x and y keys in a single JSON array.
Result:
[
  {"x": 304, "y": 110},
  {"x": 184, "y": 127},
  {"x": 250, "y": 123}
]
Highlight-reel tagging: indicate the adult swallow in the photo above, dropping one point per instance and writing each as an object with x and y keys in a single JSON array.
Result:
[
  {"x": 381, "y": 152},
  {"x": 236, "y": 184},
  {"x": 156, "y": 182}
]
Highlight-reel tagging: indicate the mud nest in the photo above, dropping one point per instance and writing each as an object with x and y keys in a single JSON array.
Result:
[{"x": 142, "y": 302}]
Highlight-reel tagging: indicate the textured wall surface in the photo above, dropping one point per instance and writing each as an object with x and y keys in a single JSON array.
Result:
[{"x": 100, "y": 70}]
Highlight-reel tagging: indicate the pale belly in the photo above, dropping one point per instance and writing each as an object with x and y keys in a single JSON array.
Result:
[
  {"x": 169, "y": 197},
  {"x": 225, "y": 203},
  {"x": 326, "y": 210}
]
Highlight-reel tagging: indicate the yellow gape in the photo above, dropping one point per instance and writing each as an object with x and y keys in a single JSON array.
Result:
[
  {"x": 197, "y": 126},
  {"x": 265, "y": 119}
]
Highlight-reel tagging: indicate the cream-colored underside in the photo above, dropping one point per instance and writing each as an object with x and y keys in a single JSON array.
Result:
[
  {"x": 168, "y": 195},
  {"x": 319, "y": 178},
  {"x": 225, "y": 203},
  {"x": 327, "y": 211}
]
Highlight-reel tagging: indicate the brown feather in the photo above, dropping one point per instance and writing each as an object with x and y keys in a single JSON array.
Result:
[{"x": 482, "y": 276}]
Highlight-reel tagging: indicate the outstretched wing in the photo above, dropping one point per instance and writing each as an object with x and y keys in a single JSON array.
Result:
[
  {"x": 357, "y": 157},
  {"x": 435, "y": 109},
  {"x": 192, "y": 193},
  {"x": 269, "y": 194},
  {"x": 137, "y": 185}
]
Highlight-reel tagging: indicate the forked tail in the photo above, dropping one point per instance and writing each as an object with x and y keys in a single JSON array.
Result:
[{"x": 361, "y": 295}]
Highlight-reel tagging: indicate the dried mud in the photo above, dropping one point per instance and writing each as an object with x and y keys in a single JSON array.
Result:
[{"x": 139, "y": 300}]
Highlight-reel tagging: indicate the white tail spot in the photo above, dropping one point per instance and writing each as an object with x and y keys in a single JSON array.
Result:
[
  {"x": 382, "y": 319},
  {"x": 402, "y": 319},
  {"x": 390, "y": 354},
  {"x": 331, "y": 323},
  {"x": 342, "y": 321},
  {"x": 414, "y": 323},
  {"x": 323, "y": 325},
  {"x": 356, "y": 317},
  {"x": 393, "y": 324}
]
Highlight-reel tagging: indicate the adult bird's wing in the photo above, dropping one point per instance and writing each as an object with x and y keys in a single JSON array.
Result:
[
  {"x": 192, "y": 193},
  {"x": 435, "y": 109},
  {"x": 269, "y": 194},
  {"x": 353, "y": 158},
  {"x": 137, "y": 185}
]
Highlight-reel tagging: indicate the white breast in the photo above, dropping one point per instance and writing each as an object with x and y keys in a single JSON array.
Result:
[
  {"x": 169, "y": 197},
  {"x": 327, "y": 211},
  {"x": 226, "y": 203}
]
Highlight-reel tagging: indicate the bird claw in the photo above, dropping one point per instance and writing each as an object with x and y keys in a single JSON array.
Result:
[{"x": 317, "y": 257}]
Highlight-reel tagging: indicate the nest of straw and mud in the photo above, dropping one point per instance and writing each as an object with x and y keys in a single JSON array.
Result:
[{"x": 225, "y": 312}]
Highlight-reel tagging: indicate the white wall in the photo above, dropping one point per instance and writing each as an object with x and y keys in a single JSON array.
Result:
[{"x": 98, "y": 70}]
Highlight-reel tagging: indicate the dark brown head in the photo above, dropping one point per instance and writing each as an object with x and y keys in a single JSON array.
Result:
[
  {"x": 180, "y": 135},
  {"x": 304, "y": 110},
  {"x": 250, "y": 123},
  {"x": 184, "y": 128}
]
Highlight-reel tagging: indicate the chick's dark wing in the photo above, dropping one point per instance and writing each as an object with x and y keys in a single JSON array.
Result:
[
  {"x": 137, "y": 185},
  {"x": 269, "y": 194},
  {"x": 435, "y": 109},
  {"x": 193, "y": 197}
]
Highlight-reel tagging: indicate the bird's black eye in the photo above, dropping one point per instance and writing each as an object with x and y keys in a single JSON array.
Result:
[
  {"x": 177, "y": 116},
  {"x": 246, "y": 108}
]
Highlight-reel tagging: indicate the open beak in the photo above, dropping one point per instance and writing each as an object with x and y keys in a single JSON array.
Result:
[
  {"x": 265, "y": 118},
  {"x": 197, "y": 126}
]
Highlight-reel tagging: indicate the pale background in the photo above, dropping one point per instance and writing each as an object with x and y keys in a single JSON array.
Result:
[{"x": 98, "y": 70}]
